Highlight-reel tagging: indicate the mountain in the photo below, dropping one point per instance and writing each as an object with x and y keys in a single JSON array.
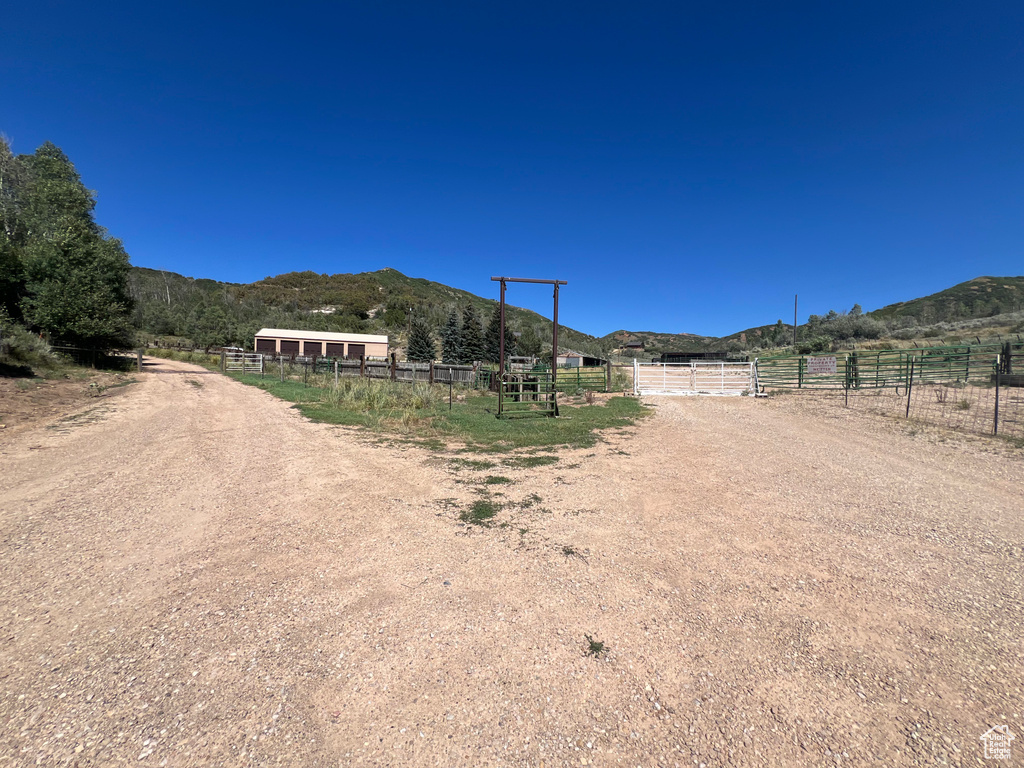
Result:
[{"x": 211, "y": 313}]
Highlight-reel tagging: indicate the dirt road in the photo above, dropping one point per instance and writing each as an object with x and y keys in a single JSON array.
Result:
[{"x": 195, "y": 575}]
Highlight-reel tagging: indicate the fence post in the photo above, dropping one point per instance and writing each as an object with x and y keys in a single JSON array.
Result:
[
  {"x": 282, "y": 369},
  {"x": 607, "y": 375},
  {"x": 995, "y": 425},
  {"x": 799, "y": 373},
  {"x": 335, "y": 373},
  {"x": 910, "y": 386},
  {"x": 394, "y": 366},
  {"x": 430, "y": 373},
  {"x": 846, "y": 382},
  {"x": 362, "y": 365}
]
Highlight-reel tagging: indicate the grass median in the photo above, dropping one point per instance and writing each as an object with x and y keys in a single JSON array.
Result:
[{"x": 420, "y": 411}]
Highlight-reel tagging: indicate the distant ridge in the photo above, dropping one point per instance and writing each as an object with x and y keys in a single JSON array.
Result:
[{"x": 372, "y": 302}]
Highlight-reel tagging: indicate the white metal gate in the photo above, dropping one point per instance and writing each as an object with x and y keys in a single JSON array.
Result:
[
  {"x": 246, "y": 362},
  {"x": 694, "y": 378}
]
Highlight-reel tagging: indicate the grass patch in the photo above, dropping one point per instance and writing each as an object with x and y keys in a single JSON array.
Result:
[
  {"x": 497, "y": 480},
  {"x": 420, "y": 413},
  {"x": 194, "y": 383},
  {"x": 481, "y": 513},
  {"x": 528, "y": 462},
  {"x": 471, "y": 464}
]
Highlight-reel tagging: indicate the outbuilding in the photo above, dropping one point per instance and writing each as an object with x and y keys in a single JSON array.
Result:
[{"x": 320, "y": 343}]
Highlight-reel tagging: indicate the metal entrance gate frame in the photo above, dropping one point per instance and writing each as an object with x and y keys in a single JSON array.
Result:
[
  {"x": 553, "y": 410},
  {"x": 717, "y": 379}
]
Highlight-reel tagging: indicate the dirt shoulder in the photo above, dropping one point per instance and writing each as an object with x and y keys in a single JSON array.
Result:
[
  {"x": 31, "y": 400},
  {"x": 199, "y": 576}
]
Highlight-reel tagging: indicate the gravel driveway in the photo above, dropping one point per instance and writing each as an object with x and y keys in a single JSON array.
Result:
[{"x": 196, "y": 575}]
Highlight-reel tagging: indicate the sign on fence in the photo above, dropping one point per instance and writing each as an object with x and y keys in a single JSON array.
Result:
[{"x": 821, "y": 366}]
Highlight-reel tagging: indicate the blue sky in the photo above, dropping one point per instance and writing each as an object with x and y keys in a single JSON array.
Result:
[{"x": 686, "y": 167}]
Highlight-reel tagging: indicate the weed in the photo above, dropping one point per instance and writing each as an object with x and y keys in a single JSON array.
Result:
[
  {"x": 497, "y": 480},
  {"x": 963, "y": 405},
  {"x": 481, "y": 513},
  {"x": 194, "y": 383},
  {"x": 570, "y": 551},
  {"x": 23, "y": 385},
  {"x": 529, "y": 501},
  {"x": 595, "y": 647}
]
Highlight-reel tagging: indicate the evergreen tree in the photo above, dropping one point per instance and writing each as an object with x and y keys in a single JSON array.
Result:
[
  {"x": 451, "y": 339},
  {"x": 529, "y": 342},
  {"x": 472, "y": 348},
  {"x": 492, "y": 338},
  {"x": 421, "y": 341}
]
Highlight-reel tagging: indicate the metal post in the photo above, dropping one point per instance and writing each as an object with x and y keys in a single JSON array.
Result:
[
  {"x": 608, "y": 376},
  {"x": 449, "y": 389},
  {"x": 846, "y": 383},
  {"x": 501, "y": 352},
  {"x": 995, "y": 425},
  {"x": 910, "y": 386},
  {"x": 554, "y": 341},
  {"x": 795, "y": 297},
  {"x": 282, "y": 369},
  {"x": 335, "y": 374}
]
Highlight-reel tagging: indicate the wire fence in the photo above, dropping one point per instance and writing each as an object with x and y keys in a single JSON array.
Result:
[
  {"x": 976, "y": 388},
  {"x": 892, "y": 367}
]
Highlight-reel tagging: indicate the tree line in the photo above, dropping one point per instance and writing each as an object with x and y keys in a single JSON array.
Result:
[
  {"x": 465, "y": 340},
  {"x": 60, "y": 272}
]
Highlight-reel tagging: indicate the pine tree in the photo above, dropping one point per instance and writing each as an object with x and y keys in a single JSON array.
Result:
[
  {"x": 451, "y": 339},
  {"x": 472, "y": 348},
  {"x": 492, "y": 338},
  {"x": 421, "y": 341}
]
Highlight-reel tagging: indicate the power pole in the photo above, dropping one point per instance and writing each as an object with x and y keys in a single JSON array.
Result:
[{"x": 795, "y": 297}]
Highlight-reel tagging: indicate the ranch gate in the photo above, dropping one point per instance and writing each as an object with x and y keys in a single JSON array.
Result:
[{"x": 694, "y": 378}]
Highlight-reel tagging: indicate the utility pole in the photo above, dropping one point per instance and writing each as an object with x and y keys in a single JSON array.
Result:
[{"x": 795, "y": 297}]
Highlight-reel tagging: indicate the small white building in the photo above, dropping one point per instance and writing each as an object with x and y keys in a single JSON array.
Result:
[{"x": 281, "y": 341}]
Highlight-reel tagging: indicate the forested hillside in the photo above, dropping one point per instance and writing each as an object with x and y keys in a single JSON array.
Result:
[{"x": 211, "y": 313}]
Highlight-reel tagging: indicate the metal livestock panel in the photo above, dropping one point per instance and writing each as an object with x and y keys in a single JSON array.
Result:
[
  {"x": 246, "y": 362},
  {"x": 694, "y": 378}
]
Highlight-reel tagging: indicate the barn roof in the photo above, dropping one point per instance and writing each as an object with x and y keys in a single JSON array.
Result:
[{"x": 282, "y": 333}]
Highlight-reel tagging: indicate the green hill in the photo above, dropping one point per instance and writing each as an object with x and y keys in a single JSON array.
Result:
[
  {"x": 211, "y": 313},
  {"x": 977, "y": 303},
  {"x": 977, "y": 298}
]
